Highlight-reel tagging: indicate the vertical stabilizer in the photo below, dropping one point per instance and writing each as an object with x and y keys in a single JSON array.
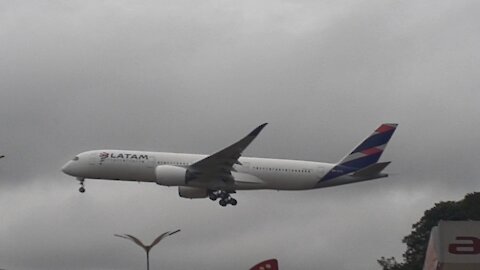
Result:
[{"x": 365, "y": 154}]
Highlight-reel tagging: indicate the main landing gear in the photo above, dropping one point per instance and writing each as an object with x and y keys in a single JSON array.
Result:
[
  {"x": 225, "y": 198},
  {"x": 82, "y": 185}
]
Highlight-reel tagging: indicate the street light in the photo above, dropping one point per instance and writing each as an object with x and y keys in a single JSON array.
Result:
[{"x": 145, "y": 247}]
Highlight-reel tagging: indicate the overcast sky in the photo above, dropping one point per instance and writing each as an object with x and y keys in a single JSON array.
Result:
[{"x": 195, "y": 76}]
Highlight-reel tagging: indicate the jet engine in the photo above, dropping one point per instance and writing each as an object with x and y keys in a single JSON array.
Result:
[
  {"x": 168, "y": 175},
  {"x": 192, "y": 192}
]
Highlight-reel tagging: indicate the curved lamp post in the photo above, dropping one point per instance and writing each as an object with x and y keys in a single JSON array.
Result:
[{"x": 147, "y": 248}]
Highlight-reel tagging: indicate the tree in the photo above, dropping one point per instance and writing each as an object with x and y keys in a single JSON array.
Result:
[{"x": 417, "y": 240}]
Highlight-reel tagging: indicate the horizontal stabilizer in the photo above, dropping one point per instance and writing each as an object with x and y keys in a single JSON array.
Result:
[{"x": 372, "y": 170}]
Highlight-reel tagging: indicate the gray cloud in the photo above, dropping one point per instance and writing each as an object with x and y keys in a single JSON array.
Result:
[{"x": 186, "y": 76}]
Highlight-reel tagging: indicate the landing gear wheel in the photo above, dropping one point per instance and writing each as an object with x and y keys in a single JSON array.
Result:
[
  {"x": 233, "y": 201},
  {"x": 82, "y": 185},
  {"x": 213, "y": 197},
  {"x": 223, "y": 202}
]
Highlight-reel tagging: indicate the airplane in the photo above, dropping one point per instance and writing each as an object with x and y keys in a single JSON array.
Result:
[
  {"x": 2, "y": 156},
  {"x": 221, "y": 174}
]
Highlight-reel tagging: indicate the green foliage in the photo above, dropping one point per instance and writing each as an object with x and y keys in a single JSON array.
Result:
[
  {"x": 389, "y": 263},
  {"x": 417, "y": 240}
]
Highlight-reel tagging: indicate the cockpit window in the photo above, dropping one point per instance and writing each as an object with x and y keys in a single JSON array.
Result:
[{"x": 75, "y": 158}]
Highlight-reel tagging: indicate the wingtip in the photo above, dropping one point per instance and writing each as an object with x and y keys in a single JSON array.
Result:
[
  {"x": 257, "y": 130},
  {"x": 174, "y": 232}
]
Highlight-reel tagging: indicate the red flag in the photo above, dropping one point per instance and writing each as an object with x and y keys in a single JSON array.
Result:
[{"x": 271, "y": 264}]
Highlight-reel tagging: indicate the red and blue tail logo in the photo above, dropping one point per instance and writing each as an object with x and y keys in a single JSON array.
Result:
[{"x": 365, "y": 154}]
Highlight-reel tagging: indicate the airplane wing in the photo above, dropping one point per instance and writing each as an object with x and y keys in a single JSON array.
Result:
[{"x": 219, "y": 166}]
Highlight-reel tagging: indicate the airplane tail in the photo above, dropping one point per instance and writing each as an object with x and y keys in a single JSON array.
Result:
[{"x": 363, "y": 159}]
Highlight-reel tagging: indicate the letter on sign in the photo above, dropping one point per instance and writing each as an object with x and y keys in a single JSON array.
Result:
[{"x": 470, "y": 246}]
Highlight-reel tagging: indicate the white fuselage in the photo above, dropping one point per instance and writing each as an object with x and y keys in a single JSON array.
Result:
[{"x": 251, "y": 173}]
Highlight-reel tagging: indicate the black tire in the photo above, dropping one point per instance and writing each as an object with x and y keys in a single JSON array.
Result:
[
  {"x": 213, "y": 197},
  {"x": 223, "y": 203},
  {"x": 233, "y": 201},
  {"x": 82, "y": 190}
]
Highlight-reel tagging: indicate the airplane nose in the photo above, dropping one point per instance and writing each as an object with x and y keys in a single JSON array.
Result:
[{"x": 67, "y": 168}]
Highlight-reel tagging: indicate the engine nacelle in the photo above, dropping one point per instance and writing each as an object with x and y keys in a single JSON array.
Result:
[
  {"x": 192, "y": 192},
  {"x": 168, "y": 175}
]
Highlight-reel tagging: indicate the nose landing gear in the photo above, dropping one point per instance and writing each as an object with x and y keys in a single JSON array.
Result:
[
  {"x": 225, "y": 198},
  {"x": 82, "y": 185}
]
